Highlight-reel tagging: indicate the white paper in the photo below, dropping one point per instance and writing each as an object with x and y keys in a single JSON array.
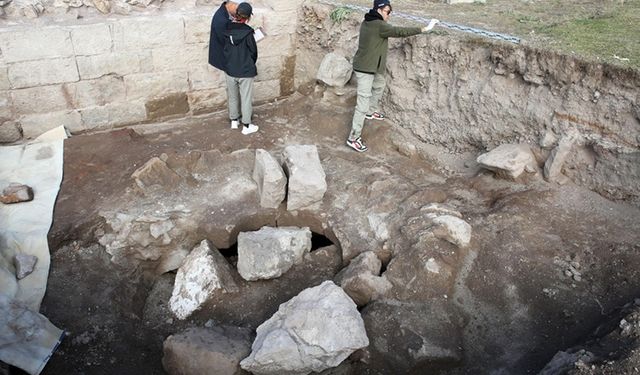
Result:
[{"x": 258, "y": 34}]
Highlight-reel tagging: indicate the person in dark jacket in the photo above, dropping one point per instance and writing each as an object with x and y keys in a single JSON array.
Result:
[
  {"x": 370, "y": 64},
  {"x": 241, "y": 54},
  {"x": 219, "y": 24}
]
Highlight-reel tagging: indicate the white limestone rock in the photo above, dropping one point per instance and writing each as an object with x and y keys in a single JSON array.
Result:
[
  {"x": 555, "y": 161},
  {"x": 24, "y": 264},
  {"x": 316, "y": 330},
  {"x": 508, "y": 160},
  {"x": 203, "y": 273},
  {"x": 271, "y": 180},
  {"x": 270, "y": 252},
  {"x": 452, "y": 229},
  {"x": 307, "y": 180},
  {"x": 335, "y": 70},
  {"x": 361, "y": 280}
]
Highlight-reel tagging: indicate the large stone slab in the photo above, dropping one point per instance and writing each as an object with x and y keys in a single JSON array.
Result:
[
  {"x": 307, "y": 180},
  {"x": 43, "y": 72},
  {"x": 216, "y": 350},
  {"x": 271, "y": 180},
  {"x": 508, "y": 160},
  {"x": 203, "y": 273},
  {"x": 42, "y": 42},
  {"x": 316, "y": 330},
  {"x": 335, "y": 70},
  {"x": 270, "y": 252}
]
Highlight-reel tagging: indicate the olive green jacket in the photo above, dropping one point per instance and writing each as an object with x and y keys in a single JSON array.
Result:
[{"x": 373, "y": 44}]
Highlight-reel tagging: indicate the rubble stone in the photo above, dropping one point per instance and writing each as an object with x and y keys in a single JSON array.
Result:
[
  {"x": 307, "y": 180},
  {"x": 24, "y": 264},
  {"x": 16, "y": 193},
  {"x": 508, "y": 160},
  {"x": 271, "y": 180},
  {"x": 361, "y": 280},
  {"x": 270, "y": 252},
  {"x": 203, "y": 273},
  {"x": 155, "y": 172},
  {"x": 215, "y": 350},
  {"x": 335, "y": 70},
  {"x": 315, "y": 330}
]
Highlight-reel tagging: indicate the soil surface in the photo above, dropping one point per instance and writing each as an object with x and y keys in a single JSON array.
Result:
[{"x": 511, "y": 300}]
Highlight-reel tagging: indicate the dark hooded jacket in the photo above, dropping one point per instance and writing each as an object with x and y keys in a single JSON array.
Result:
[
  {"x": 240, "y": 51},
  {"x": 373, "y": 43},
  {"x": 219, "y": 23}
]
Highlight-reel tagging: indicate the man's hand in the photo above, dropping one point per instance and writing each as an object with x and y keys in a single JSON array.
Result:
[{"x": 430, "y": 26}]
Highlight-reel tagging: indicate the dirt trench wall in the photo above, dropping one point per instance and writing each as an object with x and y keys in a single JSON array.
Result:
[
  {"x": 101, "y": 71},
  {"x": 473, "y": 95}
]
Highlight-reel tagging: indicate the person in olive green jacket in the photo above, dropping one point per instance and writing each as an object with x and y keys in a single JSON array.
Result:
[{"x": 370, "y": 63}]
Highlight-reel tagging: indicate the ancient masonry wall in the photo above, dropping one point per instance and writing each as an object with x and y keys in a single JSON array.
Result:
[{"x": 106, "y": 72}]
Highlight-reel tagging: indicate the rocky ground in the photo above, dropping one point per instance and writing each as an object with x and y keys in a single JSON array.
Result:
[{"x": 546, "y": 263}]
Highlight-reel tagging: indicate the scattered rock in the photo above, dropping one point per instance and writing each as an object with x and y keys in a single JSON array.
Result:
[
  {"x": 156, "y": 172},
  {"x": 316, "y": 330},
  {"x": 24, "y": 264},
  {"x": 452, "y": 229},
  {"x": 270, "y": 252},
  {"x": 553, "y": 165},
  {"x": 361, "y": 280},
  {"x": 16, "y": 193},
  {"x": 215, "y": 350},
  {"x": 508, "y": 160},
  {"x": 271, "y": 180},
  {"x": 440, "y": 209},
  {"x": 10, "y": 131},
  {"x": 307, "y": 180},
  {"x": 204, "y": 272},
  {"x": 335, "y": 70}
]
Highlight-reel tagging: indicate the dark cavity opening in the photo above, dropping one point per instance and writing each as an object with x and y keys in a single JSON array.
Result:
[{"x": 319, "y": 241}]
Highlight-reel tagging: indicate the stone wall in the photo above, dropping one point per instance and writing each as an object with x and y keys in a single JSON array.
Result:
[{"x": 107, "y": 72}]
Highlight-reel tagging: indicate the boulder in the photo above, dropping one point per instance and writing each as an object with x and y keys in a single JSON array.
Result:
[
  {"x": 216, "y": 350},
  {"x": 307, "y": 180},
  {"x": 508, "y": 160},
  {"x": 270, "y": 252},
  {"x": 361, "y": 280},
  {"x": 271, "y": 180},
  {"x": 555, "y": 161},
  {"x": 335, "y": 70},
  {"x": 315, "y": 330},
  {"x": 156, "y": 172},
  {"x": 452, "y": 229},
  {"x": 203, "y": 273}
]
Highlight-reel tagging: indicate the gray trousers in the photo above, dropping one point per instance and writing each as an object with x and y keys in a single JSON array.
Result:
[
  {"x": 370, "y": 88},
  {"x": 240, "y": 98}
]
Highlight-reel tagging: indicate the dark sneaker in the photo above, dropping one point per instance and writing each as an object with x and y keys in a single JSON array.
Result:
[
  {"x": 375, "y": 116},
  {"x": 357, "y": 144}
]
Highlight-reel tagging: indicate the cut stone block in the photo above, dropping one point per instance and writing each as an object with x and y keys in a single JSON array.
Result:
[
  {"x": 508, "y": 160},
  {"x": 307, "y": 180},
  {"x": 271, "y": 180}
]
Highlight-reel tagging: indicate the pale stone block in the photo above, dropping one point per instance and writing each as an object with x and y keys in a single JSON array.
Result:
[
  {"x": 183, "y": 57},
  {"x": 96, "y": 92},
  {"x": 266, "y": 90},
  {"x": 465, "y": 1},
  {"x": 206, "y": 78},
  {"x": 197, "y": 29},
  {"x": 113, "y": 114},
  {"x": 4, "y": 78},
  {"x": 5, "y": 105},
  {"x": 275, "y": 45},
  {"x": 207, "y": 100},
  {"x": 149, "y": 85},
  {"x": 278, "y": 23},
  {"x": 91, "y": 39},
  {"x": 34, "y": 125},
  {"x": 40, "y": 99},
  {"x": 120, "y": 63},
  {"x": 148, "y": 32},
  {"x": 35, "y": 43},
  {"x": 269, "y": 68},
  {"x": 43, "y": 72}
]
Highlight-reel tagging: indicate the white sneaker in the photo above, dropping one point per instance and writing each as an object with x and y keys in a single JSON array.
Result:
[
  {"x": 249, "y": 129},
  {"x": 234, "y": 124}
]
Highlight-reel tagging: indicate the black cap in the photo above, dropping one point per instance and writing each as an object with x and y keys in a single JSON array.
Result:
[
  {"x": 244, "y": 10},
  {"x": 377, "y": 4}
]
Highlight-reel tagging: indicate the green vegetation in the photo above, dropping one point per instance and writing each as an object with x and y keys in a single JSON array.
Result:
[
  {"x": 612, "y": 37},
  {"x": 340, "y": 14}
]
